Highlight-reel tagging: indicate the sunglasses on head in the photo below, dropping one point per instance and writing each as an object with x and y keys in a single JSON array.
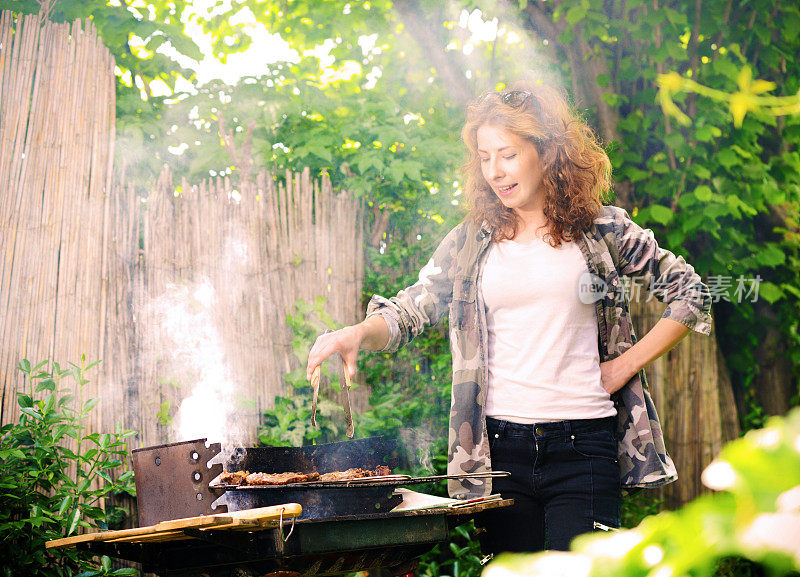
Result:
[{"x": 513, "y": 98}]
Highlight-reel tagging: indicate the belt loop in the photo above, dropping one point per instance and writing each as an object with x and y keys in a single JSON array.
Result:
[
  {"x": 501, "y": 430},
  {"x": 567, "y": 430}
]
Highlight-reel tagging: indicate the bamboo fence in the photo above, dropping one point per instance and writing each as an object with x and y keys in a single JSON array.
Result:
[
  {"x": 217, "y": 273},
  {"x": 88, "y": 267},
  {"x": 57, "y": 107},
  {"x": 694, "y": 400}
]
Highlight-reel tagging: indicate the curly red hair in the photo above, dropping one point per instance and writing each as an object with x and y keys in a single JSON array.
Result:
[{"x": 576, "y": 169}]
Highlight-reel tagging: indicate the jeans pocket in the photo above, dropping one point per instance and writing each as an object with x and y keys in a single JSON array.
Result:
[{"x": 595, "y": 445}]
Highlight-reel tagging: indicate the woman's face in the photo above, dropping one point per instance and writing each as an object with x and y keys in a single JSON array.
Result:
[{"x": 511, "y": 166}]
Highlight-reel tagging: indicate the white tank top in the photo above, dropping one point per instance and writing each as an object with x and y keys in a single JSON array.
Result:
[{"x": 544, "y": 362}]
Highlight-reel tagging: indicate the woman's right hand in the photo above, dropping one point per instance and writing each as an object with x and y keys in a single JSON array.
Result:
[
  {"x": 371, "y": 334},
  {"x": 346, "y": 342}
]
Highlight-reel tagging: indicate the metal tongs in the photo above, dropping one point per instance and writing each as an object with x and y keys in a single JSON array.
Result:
[{"x": 344, "y": 383}]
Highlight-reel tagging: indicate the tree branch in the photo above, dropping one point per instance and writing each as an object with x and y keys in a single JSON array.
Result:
[
  {"x": 242, "y": 157},
  {"x": 694, "y": 58},
  {"x": 586, "y": 66},
  {"x": 541, "y": 24},
  {"x": 673, "y": 163}
]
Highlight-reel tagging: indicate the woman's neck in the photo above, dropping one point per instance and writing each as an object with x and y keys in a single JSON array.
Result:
[{"x": 531, "y": 225}]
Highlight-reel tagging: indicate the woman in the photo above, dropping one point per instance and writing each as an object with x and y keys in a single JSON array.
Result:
[{"x": 547, "y": 373}]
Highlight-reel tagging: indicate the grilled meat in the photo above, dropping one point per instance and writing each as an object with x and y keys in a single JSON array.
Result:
[
  {"x": 279, "y": 478},
  {"x": 236, "y": 478},
  {"x": 246, "y": 478},
  {"x": 355, "y": 473}
]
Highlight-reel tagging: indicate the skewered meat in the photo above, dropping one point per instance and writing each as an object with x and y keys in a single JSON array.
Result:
[{"x": 279, "y": 478}]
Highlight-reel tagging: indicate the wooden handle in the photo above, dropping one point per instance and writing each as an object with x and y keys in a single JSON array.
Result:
[
  {"x": 252, "y": 518},
  {"x": 271, "y": 513}
]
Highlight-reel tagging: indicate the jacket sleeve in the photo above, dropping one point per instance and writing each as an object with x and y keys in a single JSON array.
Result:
[
  {"x": 669, "y": 278},
  {"x": 425, "y": 302}
]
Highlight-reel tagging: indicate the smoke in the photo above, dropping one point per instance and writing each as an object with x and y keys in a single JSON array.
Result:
[
  {"x": 418, "y": 444},
  {"x": 184, "y": 331},
  {"x": 184, "y": 316}
]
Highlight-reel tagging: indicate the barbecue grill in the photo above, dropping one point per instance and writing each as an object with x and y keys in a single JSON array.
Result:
[{"x": 345, "y": 526}]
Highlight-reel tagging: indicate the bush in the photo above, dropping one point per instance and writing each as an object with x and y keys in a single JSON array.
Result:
[{"x": 56, "y": 476}]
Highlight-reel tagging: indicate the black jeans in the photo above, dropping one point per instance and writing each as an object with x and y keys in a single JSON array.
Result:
[{"x": 564, "y": 480}]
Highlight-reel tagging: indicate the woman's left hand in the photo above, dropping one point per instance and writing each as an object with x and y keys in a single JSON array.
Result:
[
  {"x": 615, "y": 374},
  {"x": 662, "y": 337}
]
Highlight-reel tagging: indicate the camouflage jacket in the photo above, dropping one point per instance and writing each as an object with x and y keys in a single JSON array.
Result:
[{"x": 614, "y": 246}]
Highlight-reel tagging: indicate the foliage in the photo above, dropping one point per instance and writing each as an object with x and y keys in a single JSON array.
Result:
[
  {"x": 376, "y": 145},
  {"x": 133, "y": 32},
  {"x": 752, "y": 524},
  {"x": 289, "y": 422},
  {"x": 637, "y": 505},
  {"x": 459, "y": 557},
  {"x": 57, "y": 475}
]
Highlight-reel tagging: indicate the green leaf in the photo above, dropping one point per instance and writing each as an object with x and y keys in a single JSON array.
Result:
[
  {"x": 635, "y": 174},
  {"x": 675, "y": 17},
  {"x": 567, "y": 36},
  {"x": 125, "y": 571},
  {"x": 66, "y": 503},
  {"x": 701, "y": 171},
  {"x": 703, "y": 193},
  {"x": 90, "y": 404},
  {"x": 24, "y": 400},
  {"x": 576, "y": 14},
  {"x": 611, "y": 99},
  {"x": 661, "y": 214},
  {"x": 770, "y": 255},
  {"x": 791, "y": 289},
  {"x": 769, "y": 292},
  {"x": 674, "y": 140},
  {"x": 737, "y": 206},
  {"x": 727, "y": 158},
  {"x": 704, "y": 134},
  {"x": 49, "y": 402},
  {"x": 74, "y": 519},
  {"x": 65, "y": 400},
  {"x": 94, "y": 364},
  {"x": 34, "y": 414},
  {"x": 46, "y": 384}
]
